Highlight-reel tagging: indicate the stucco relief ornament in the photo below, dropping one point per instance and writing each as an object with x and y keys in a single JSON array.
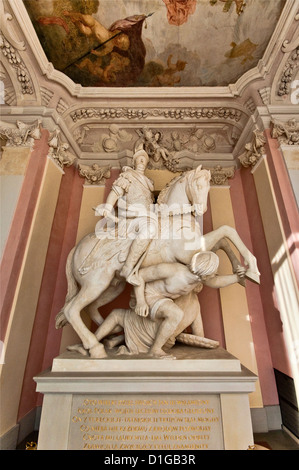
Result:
[
  {"x": 288, "y": 73},
  {"x": 17, "y": 64},
  {"x": 159, "y": 155},
  {"x": 23, "y": 135},
  {"x": 59, "y": 151},
  {"x": 286, "y": 132},
  {"x": 220, "y": 175},
  {"x": 253, "y": 150},
  {"x": 7, "y": 31},
  {"x": 94, "y": 174}
]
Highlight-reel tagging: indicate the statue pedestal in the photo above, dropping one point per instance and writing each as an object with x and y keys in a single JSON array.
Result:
[{"x": 198, "y": 401}]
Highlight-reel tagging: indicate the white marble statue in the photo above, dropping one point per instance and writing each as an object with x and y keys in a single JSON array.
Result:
[
  {"x": 133, "y": 192},
  {"x": 166, "y": 303},
  {"x": 97, "y": 268}
]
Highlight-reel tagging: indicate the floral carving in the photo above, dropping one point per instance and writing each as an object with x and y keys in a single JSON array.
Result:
[
  {"x": 17, "y": 63},
  {"x": 220, "y": 175},
  {"x": 173, "y": 113},
  {"x": 286, "y": 132},
  {"x": 288, "y": 73},
  {"x": 253, "y": 150}
]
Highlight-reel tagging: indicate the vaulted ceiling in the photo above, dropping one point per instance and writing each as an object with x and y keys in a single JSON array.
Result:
[
  {"x": 154, "y": 42},
  {"x": 102, "y": 73}
]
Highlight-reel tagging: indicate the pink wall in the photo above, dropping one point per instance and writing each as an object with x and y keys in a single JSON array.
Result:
[
  {"x": 16, "y": 243},
  {"x": 259, "y": 297},
  {"x": 45, "y": 339},
  {"x": 285, "y": 198}
]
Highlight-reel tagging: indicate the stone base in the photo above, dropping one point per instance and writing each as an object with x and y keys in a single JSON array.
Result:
[{"x": 198, "y": 401}]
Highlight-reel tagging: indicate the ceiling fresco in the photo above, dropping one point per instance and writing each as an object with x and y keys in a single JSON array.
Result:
[{"x": 154, "y": 43}]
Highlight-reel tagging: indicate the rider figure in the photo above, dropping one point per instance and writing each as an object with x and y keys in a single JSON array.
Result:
[{"x": 133, "y": 192}]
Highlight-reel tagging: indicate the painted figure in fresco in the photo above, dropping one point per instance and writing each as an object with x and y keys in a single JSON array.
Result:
[
  {"x": 168, "y": 77},
  {"x": 245, "y": 49},
  {"x": 90, "y": 27},
  {"x": 240, "y": 5},
  {"x": 178, "y": 11},
  {"x": 121, "y": 52}
]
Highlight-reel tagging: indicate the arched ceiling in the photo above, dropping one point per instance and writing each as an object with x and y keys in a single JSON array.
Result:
[
  {"x": 191, "y": 72},
  {"x": 154, "y": 43}
]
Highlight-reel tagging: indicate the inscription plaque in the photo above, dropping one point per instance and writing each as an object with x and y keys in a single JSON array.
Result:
[{"x": 147, "y": 422}]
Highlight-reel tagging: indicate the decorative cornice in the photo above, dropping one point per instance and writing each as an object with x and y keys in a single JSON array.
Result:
[
  {"x": 94, "y": 174},
  {"x": 253, "y": 149},
  {"x": 23, "y": 135},
  {"x": 286, "y": 133},
  {"x": 226, "y": 113}
]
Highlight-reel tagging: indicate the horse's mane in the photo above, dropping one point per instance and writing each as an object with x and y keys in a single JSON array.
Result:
[{"x": 164, "y": 192}]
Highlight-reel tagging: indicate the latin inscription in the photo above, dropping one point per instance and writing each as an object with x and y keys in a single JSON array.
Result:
[{"x": 146, "y": 423}]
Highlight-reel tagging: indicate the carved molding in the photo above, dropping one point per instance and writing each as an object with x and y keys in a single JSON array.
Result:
[
  {"x": 46, "y": 95},
  {"x": 254, "y": 149},
  {"x": 58, "y": 151},
  {"x": 94, "y": 174},
  {"x": 265, "y": 94},
  {"x": 14, "y": 59},
  {"x": 23, "y": 135},
  {"x": 286, "y": 133},
  {"x": 288, "y": 73},
  {"x": 288, "y": 46},
  {"x": 7, "y": 32},
  {"x": 173, "y": 113},
  {"x": 8, "y": 94},
  {"x": 62, "y": 106}
]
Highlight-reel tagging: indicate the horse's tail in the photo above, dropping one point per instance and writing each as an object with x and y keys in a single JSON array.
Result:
[
  {"x": 72, "y": 290},
  {"x": 199, "y": 341}
]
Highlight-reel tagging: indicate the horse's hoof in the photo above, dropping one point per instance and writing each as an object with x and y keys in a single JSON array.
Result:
[
  {"x": 253, "y": 276},
  {"x": 98, "y": 351}
]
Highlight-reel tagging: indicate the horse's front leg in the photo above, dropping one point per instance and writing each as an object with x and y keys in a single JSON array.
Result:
[
  {"x": 211, "y": 239},
  {"x": 73, "y": 314}
]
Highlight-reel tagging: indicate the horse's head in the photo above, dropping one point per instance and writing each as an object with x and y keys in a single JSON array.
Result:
[{"x": 198, "y": 189}]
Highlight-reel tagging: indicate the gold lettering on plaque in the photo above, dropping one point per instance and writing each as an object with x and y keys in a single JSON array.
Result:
[{"x": 146, "y": 423}]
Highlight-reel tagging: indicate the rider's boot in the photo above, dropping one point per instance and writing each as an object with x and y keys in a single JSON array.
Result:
[{"x": 137, "y": 249}]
